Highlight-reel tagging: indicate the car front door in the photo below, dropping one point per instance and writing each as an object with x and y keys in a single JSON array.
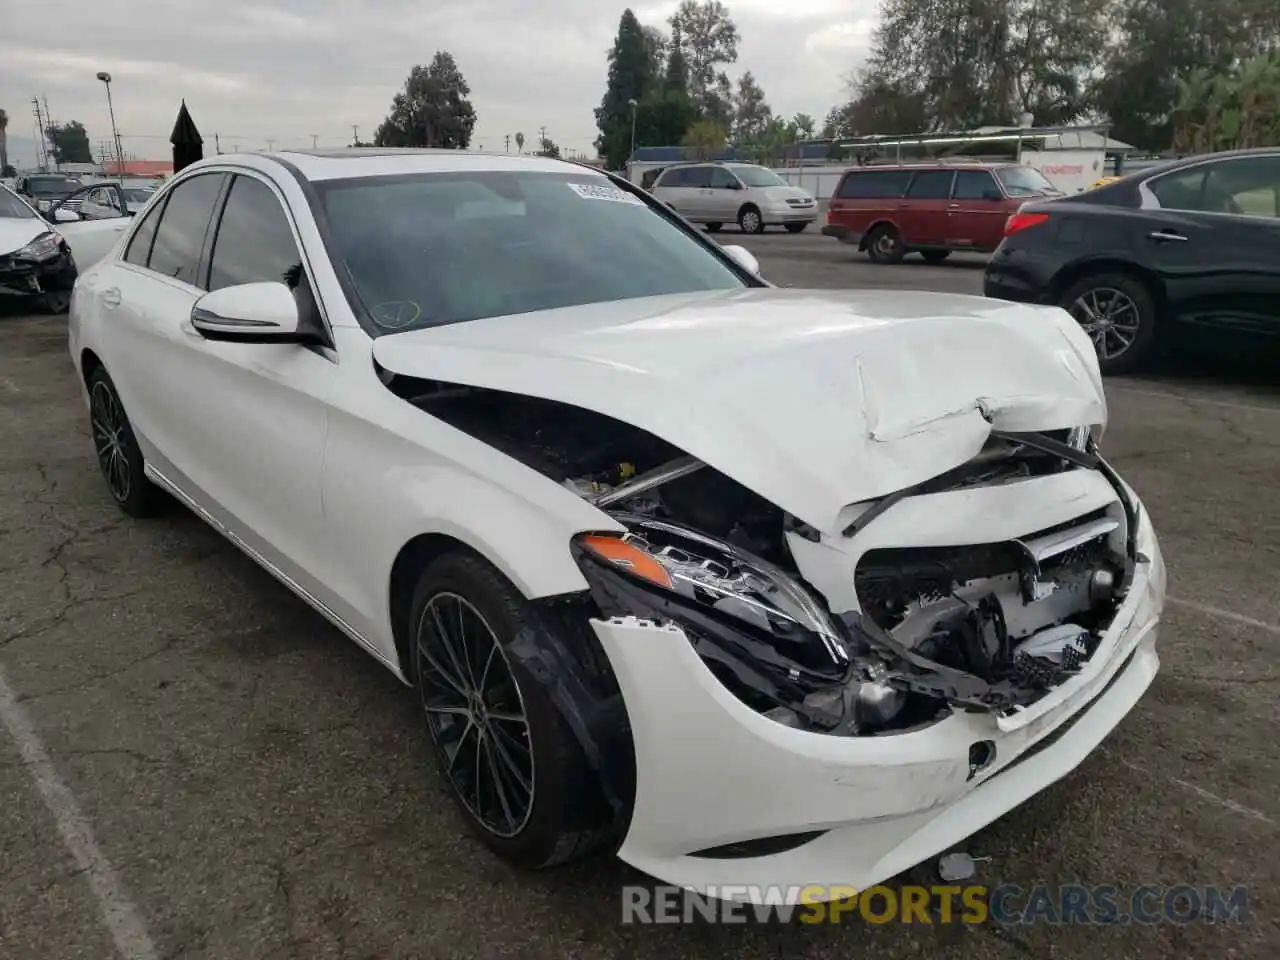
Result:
[
  {"x": 977, "y": 211},
  {"x": 1212, "y": 232},
  {"x": 92, "y": 219},
  {"x": 923, "y": 214}
]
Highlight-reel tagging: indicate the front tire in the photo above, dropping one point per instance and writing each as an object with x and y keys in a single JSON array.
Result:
[
  {"x": 935, "y": 256},
  {"x": 116, "y": 446},
  {"x": 1119, "y": 314},
  {"x": 750, "y": 220},
  {"x": 796, "y": 227},
  {"x": 507, "y": 754}
]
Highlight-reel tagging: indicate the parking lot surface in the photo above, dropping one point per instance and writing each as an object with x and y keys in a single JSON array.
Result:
[{"x": 194, "y": 764}]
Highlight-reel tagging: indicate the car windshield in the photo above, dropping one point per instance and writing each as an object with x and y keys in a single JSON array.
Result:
[
  {"x": 1025, "y": 182},
  {"x": 51, "y": 186},
  {"x": 12, "y": 208},
  {"x": 432, "y": 249},
  {"x": 759, "y": 177}
]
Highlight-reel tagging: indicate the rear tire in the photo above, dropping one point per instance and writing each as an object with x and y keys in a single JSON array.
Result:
[
  {"x": 796, "y": 227},
  {"x": 536, "y": 802},
  {"x": 119, "y": 456},
  {"x": 884, "y": 245},
  {"x": 935, "y": 256},
  {"x": 714, "y": 227},
  {"x": 1119, "y": 313}
]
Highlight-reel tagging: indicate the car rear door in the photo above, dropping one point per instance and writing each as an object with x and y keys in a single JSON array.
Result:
[
  {"x": 977, "y": 212},
  {"x": 923, "y": 214},
  {"x": 866, "y": 196},
  {"x": 1213, "y": 235},
  {"x": 723, "y": 195}
]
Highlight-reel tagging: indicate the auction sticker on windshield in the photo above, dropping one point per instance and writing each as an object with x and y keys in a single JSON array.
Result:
[{"x": 603, "y": 191}]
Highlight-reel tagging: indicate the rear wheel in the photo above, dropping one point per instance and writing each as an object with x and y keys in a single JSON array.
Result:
[
  {"x": 796, "y": 227},
  {"x": 508, "y": 755},
  {"x": 119, "y": 456},
  {"x": 935, "y": 256},
  {"x": 884, "y": 245},
  {"x": 749, "y": 220},
  {"x": 1119, "y": 314}
]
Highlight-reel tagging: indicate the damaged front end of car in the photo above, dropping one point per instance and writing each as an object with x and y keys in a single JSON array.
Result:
[{"x": 965, "y": 623}]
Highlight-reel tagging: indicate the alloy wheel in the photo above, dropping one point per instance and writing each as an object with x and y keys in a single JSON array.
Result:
[
  {"x": 885, "y": 244},
  {"x": 1111, "y": 319},
  {"x": 750, "y": 221},
  {"x": 109, "y": 425},
  {"x": 475, "y": 713}
]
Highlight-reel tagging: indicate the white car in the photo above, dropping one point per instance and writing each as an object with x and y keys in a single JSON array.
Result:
[{"x": 754, "y": 586}]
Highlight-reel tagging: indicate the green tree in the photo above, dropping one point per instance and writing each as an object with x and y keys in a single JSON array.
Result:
[
  {"x": 805, "y": 126},
  {"x": 751, "y": 113},
  {"x": 548, "y": 148},
  {"x": 709, "y": 40},
  {"x": 630, "y": 78},
  {"x": 666, "y": 114},
  {"x": 432, "y": 110},
  {"x": 69, "y": 142},
  {"x": 656, "y": 43},
  {"x": 519, "y": 143},
  {"x": 705, "y": 140}
]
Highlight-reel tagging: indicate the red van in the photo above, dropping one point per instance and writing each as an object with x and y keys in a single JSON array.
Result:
[{"x": 890, "y": 210}]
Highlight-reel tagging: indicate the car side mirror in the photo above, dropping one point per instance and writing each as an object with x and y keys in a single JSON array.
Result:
[
  {"x": 63, "y": 215},
  {"x": 743, "y": 258},
  {"x": 251, "y": 313}
]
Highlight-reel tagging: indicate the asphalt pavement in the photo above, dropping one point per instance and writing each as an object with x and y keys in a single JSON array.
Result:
[{"x": 194, "y": 764}]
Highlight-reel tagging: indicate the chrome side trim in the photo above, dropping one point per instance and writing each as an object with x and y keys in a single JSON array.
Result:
[{"x": 303, "y": 594}]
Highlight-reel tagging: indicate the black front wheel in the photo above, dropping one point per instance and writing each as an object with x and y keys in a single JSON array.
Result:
[
  {"x": 935, "y": 256},
  {"x": 1119, "y": 314},
  {"x": 507, "y": 754},
  {"x": 714, "y": 227},
  {"x": 119, "y": 456},
  {"x": 796, "y": 227}
]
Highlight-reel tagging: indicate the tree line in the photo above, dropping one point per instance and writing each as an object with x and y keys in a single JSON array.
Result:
[
  {"x": 672, "y": 86},
  {"x": 1177, "y": 75}
]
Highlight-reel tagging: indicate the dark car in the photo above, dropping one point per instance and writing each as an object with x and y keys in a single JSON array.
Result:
[
  {"x": 930, "y": 208},
  {"x": 1193, "y": 241},
  {"x": 46, "y": 189}
]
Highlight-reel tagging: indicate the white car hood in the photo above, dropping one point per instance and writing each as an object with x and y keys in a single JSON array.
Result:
[
  {"x": 785, "y": 193},
  {"x": 814, "y": 400},
  {"x": 15, "y": 233}
]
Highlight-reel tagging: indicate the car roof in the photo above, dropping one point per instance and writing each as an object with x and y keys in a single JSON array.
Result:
[
  {"x": 339, "y": 164},
  {"x": 936, "y": 165}
]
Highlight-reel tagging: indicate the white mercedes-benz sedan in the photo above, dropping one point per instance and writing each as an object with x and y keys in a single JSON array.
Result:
[{"x": 756, "y": 587}]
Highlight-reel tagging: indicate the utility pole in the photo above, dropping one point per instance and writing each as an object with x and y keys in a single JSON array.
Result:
[
  {"x": 271, "y": 145},
  {"x": 217, "y": 143},
  {"x": 48, "y": 118},
  {"x": 42, "y": 140},
  {"x": 314, "y": 141},
  {"x": 542, "y": 136},
  {"x": 355, "y": 134},
  {"x": 507, "y": 142}
]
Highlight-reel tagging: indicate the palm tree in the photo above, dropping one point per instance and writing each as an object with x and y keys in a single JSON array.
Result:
[
  {"x": 4, "y": 141},
  {"x": 520, "y": 142}
]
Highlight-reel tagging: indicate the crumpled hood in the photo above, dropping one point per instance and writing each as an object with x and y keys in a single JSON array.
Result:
[
  {"x": 15, "y": 233},
  {"x": 814, "y": 400}
]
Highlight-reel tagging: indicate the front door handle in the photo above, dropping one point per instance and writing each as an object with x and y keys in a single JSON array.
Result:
[
  {"x": 111, "y": 297},
  {"x": 1163, "y": 235},
  {"x": 953, "y": 206}
]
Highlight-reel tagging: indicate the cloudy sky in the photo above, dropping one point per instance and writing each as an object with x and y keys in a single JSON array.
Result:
[{"x": 255, "y": 71}]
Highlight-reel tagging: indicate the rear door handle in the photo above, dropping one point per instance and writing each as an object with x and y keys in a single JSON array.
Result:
[
  {"x": 1163, "y": 235},
  {"x": 111, "y": 297},
  {"x": 953, "y": 206}
]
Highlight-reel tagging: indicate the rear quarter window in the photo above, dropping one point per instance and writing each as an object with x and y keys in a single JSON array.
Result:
[{"x": 873, "y": 184}]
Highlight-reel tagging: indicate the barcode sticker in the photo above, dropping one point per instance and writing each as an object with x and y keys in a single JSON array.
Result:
[{"x": 604, "y": 191}]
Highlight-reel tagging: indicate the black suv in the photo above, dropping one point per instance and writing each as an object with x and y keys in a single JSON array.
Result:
[{"x": 1191, "y": 241}]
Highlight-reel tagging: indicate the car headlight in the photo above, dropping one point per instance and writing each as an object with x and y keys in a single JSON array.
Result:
[
  {"x": 719, "y": 594},
  {"x": 43, "y": 247}
]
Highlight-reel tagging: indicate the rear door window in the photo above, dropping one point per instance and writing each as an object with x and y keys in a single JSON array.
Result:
[
  {"x": 931, "y": 185},
  {"x": 697, "y": 177},
  {"x": 874, "y": 184},
  {"x": 180, "y": 237}
]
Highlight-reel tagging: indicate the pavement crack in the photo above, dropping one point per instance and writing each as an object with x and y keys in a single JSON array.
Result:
[
  {"x": 164, "y": 648},
  {"x": 135, "y": 755}
]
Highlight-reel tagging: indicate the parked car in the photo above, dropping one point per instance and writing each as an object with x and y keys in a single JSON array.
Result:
[
  {"x": 46, "y": 189},
  {"x": 751, "y": 196},
  {"x": 35, "y": 261},
  {"x": 724, "y": 577},
  {"x": 930, "y": 208},
  {"x": 1193, "y": 241}
]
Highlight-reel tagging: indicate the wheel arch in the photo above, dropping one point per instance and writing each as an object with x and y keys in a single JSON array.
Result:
[
  {"x": 1070, "y": 275},
  {"x": 89, "y": 362},
  {"x": 873, "y": 227}
]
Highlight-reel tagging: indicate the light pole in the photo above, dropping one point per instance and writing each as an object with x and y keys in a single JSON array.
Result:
[
  {"x": 635, "y": 105},
  {"x": 115, "y": 134}
]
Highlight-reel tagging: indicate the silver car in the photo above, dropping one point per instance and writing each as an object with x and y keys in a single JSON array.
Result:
[{"x": 751, "y": 196}]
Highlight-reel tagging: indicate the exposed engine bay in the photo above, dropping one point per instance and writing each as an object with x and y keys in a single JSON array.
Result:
[{"x": 989, "y": 626}]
